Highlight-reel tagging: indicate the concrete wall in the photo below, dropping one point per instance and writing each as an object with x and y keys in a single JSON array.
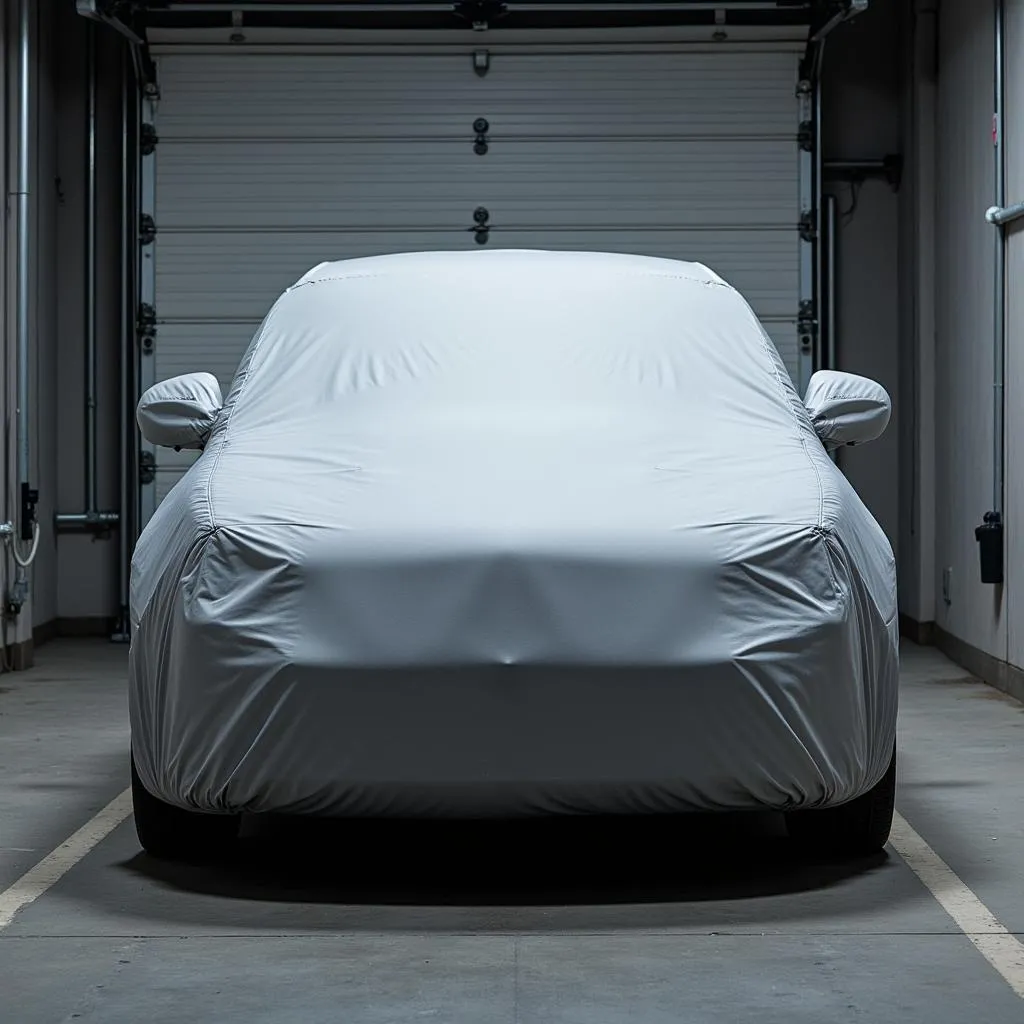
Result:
[
  {"x": 975, "y": 613},
  {"x": 917, "y": 232},
  {"x": 73, "y": 577},
  {"x": 43, "y": 214},
  {"x": 86, "y": 565},
  {"x": 1014, "y": 135}
]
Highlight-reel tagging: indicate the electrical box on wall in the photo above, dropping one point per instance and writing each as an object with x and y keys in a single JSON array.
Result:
[{"x": 990, "y": 547}]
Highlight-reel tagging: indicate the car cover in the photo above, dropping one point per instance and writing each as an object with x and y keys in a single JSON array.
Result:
[{"x": 503, "y": 533}]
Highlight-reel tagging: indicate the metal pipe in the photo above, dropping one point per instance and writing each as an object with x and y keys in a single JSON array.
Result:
[
  {"x": 91, "y": 502},
  {"x": 92, "y": 518},
  {"x": 999, "y": 334},
  {"x": 89, "y": 520},
  {"x": 832, "y": 242},
  {"x": 23, "y": 304},
  {"x": 122, "y": 631},
  {"x": 1003, "y": 215}
]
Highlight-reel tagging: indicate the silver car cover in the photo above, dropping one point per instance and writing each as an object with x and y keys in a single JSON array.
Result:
[{"x": 507, "y": 533}]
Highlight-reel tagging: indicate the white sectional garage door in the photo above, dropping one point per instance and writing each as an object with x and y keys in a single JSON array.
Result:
[{"x": 270, "y": 162}]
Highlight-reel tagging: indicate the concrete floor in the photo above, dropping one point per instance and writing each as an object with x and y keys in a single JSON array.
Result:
[{"x": 574, "y": 923}]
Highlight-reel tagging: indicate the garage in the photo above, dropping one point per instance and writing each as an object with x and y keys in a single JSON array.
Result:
[{"x": 510, "y": 511}]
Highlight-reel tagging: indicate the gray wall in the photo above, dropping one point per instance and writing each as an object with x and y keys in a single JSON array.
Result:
[
  {"x": 917, "y": 266},
  {"x": 86, "y": 566},
  {"x": 964, "y": 312},
  {"x": 947, "y": 312},
  {"x": 42, "y": 319},
  {"x": 861, "y": 115},
  {"x": 1015, "y": 321},
  {"x": 73, "y": 577}
]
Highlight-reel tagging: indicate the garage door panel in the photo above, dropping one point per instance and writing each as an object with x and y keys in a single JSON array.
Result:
[
  {"x": 202, "y": 348},
  {"x": 395, "y": 96},
  {"x": 414, "y": 185},
  {"x": 239, "y": 275}
]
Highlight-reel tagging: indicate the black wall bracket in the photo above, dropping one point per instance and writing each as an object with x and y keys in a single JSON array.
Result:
[{"x": 991, "y": 548}]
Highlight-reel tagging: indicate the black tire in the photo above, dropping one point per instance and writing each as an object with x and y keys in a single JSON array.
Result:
[
  {"x": 171, "y": 833},
  {"x": 859, "y": 828}
]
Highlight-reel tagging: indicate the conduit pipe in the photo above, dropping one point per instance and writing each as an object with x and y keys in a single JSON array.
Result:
[
  {"x": 28, "y": 496},
  {"x": 92, "y": 519},
  {"x": 990, "y": 534},
  {"x": 122, "y": 629}
]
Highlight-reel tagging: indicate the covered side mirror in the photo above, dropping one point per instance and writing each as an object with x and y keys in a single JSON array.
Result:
[
  {"x": 180, "y": 412},
  {"x": 846, "y": 409}
]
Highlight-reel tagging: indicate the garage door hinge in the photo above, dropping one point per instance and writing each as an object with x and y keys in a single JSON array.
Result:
[
  {"x": 481, "y": 228},
  {"x": 805, "y": 136},
  {"x": 148, "y": 139},
  {"x": 147, "y": 467},
  {"x": 147, "y": 230},
  {"x": 808, "y": 227},
  {"x": 145, "y": 326},
  {"x": 807, "y": 325},
  {"x": 481, "y": 126}
]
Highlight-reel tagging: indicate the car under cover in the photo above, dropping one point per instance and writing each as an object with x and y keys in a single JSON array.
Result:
[{"x": 511, "y": 533}]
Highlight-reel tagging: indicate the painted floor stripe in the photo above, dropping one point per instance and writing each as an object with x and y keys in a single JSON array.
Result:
[
  {"x": 993, "y": 940},
  {"x": 55, "y": 865}
]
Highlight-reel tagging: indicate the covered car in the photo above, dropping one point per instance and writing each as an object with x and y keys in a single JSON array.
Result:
[{"x": 512, "y": 533}]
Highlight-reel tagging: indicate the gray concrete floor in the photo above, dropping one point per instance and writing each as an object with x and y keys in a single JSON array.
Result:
[{"x": 709, "y": 920}]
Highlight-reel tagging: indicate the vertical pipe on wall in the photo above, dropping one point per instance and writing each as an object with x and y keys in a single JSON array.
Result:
[
  {"x": 999, "y": 332},
  {"x": 91, "y": 501},
  {"x": 122, "y": 631},
  {"x": 991, "y": 535},
  {"x": 23, "y": 294},
  {"x": 99, "y": 522}
]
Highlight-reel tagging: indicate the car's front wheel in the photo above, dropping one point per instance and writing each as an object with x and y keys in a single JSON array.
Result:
[
  {"x": 172, "y": 833},
  {"x": 858, "y": 828}
]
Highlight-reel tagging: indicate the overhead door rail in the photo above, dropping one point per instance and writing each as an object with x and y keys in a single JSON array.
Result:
[{"x": 131, "y": 17}]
